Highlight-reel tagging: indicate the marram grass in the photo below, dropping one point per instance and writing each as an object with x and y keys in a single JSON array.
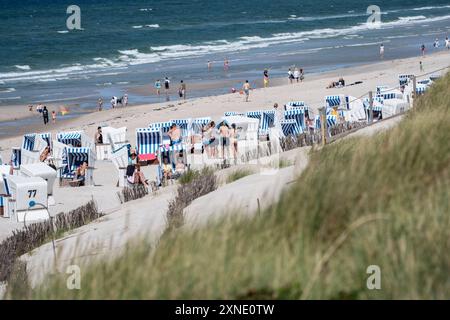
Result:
[{"x": 381, "y": 200}]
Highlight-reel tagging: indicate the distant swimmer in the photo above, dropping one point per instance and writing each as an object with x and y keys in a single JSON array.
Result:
[
  {"x": 209, "y": 65},
  {"x": 381, "y": 51},
  {"x": 226, "y": 65}
]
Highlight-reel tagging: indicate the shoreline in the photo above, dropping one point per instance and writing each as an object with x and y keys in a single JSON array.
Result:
[{"x": 312, "y": 91}]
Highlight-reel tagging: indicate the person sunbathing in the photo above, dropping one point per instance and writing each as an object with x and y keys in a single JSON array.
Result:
[
  {"x": 167, "y": 169},
  {"x": 80, "y": 174},
  {"x": 180, "y": 167},
  {"x": 45, "y": 154},
  {"x": 139, "y": 177}
]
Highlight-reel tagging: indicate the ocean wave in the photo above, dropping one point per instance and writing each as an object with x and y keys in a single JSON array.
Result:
[
  {"x": 10, "y": 98},
  {"x": 129, "y": 57},
  {"x": 431, "y": 8},
  {"x": 328, "y": 17},
  {"x": 63, "y": 31},
  {"x": 23, "y": 67},
  {"x": 146, "y": 9},
  {"x": 137, "y": 27},
  {"x": 152, "y": 25},
  {"x": 7, "y": 90}
]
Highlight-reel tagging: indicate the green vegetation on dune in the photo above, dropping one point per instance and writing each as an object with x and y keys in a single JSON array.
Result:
[{"x": 381, "y": 200}]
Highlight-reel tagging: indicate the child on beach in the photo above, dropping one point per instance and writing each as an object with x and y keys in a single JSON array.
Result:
[
  {"x": 302, "y": 75},
  {"x": 157, "y": 86},
  {"x": 447, "y": 43},
  {"x": 246, "y": 87},
  {"x": 296, "y": 74},
  {"x": 53, "y": 116},
  {"x": 182, "y": 90},
  {"x": 381, "y": 51},
  {"x": 420, "y": 66}
]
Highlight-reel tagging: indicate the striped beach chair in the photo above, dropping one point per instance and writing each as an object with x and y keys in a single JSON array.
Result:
[
  {"x": 332, "y": 101},
  {"x": 296, "y": 114},
  {"x": 381, "y": 89},
  {"x": 72, "y": 138},
  {"x": 294, "y": 104},
  {"x": 331, "y": 121},
  {"x": 421, "y": 89},
  {"x": 268, "y": 119},
  {"x": 148, "y": 141},
  {"x": 255, "y": 115},
  {"x": 163, "y": 126},
  {"x": 387, "y": 96},
  {"x": 403, "y": 79},
  {"x": 290, "y": 127},
  {"x": 31, "y": 141},
  {"x": 73, "y": 157},
  {"x": 232, "y": 113}
]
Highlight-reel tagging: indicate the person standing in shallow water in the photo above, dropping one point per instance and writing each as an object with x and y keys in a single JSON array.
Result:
[
  {"x": 53, "y": 116},
  {"x": 45, "y": 115},
  {"x": 246, "y": 87}
]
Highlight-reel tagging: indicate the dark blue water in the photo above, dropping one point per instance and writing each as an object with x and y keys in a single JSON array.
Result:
[{"x": 125, "y": 44}]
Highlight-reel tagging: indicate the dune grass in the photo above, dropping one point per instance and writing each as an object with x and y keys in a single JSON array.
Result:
[
  {"x": 239, "y": 174},
  {"x": 381, "y": 200}
]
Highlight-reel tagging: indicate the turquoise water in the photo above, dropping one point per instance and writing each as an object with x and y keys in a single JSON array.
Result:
[{"x": 130, "y": 43}]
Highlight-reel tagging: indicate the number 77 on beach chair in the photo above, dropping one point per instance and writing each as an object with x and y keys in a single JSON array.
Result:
[{"x": 148, "y": 141}]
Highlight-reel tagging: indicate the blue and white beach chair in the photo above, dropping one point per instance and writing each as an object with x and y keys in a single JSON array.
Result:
[
  {"x": 31, "y": 141},
  {"x": 296, "y": 114},
  {"x": 331, "y": 121},
  {"x": 290, "y": 127},
  {"x": 72, "y": 138},
  {"x": 148, "y": 141},
  {"x": 403, "y": 79},
  {"x": 73, "y": 158},
  {"x": 294, "y": 104},
  {"x": 268, "y": 120},
  {"x": 163, "y": 126}
]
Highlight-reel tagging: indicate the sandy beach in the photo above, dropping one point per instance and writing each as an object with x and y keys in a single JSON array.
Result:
[{"x": 312, "y": 91}]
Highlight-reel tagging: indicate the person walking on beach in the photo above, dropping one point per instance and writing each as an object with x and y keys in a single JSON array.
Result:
[
  {"x": 100, "y": 104},
  {"x": 53, "y": 116},
  {"x": 436, "y": 43},
  {"x": 302, "y": 74},
  {"x": 157, "y": 86},
  {"x": 246, "y": 87},
  {"x": 167, "y": 87},
  {"x": 447, "y": 43},
  {"x": 421, "y": 66},
  {"x": 422, "y": 48},
  {"x": 182, "y": 90},
  {"x": 45, "y": 115},
  {"x": 296, "y": 74},
  {"x": 381, "y": 51},
  {"x": 290, "y": 76},
  {"x": 125, "y": 100},
  {"x": 266, "y": 78}
]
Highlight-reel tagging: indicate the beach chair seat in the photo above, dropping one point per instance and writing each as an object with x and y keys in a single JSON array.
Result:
[{"x": 74, "y": 158}]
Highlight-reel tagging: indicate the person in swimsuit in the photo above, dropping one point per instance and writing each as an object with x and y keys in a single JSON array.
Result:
[
  {"x": 246, "y": 87},
  {"x": 266, "y": 78},
  {"x": 234, "y": 141},
  {"x": 158, "y": 87},
  {"x": 174, "y": 134},
  {"x": 224, "y": 131}
]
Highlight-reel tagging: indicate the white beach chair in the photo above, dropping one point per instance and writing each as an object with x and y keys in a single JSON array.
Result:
[
  {"x": 119, "y": 158},
  {"x": 72, "y": 159},
  {"x": 72, "y": 138}
]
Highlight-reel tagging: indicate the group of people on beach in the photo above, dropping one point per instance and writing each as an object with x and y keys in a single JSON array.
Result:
[
  {"x": 42, "y": 110},
  {"x": 298, "y": 75},
  {"x": 220, "y": 138},
  {"x": 181, "y": 89}
]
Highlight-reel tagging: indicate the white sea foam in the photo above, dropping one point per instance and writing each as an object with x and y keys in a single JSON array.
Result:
[
  {"x": 146, "y": 9},
  {"x": 7, "y": 90},
  {"x": 137, "y": 27},
  {"x": 431, "y": 8},
  {"x": 23, "y": 67},
  {"x": 152, "y": 25},
  {"x": 63, "y": 31}
]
